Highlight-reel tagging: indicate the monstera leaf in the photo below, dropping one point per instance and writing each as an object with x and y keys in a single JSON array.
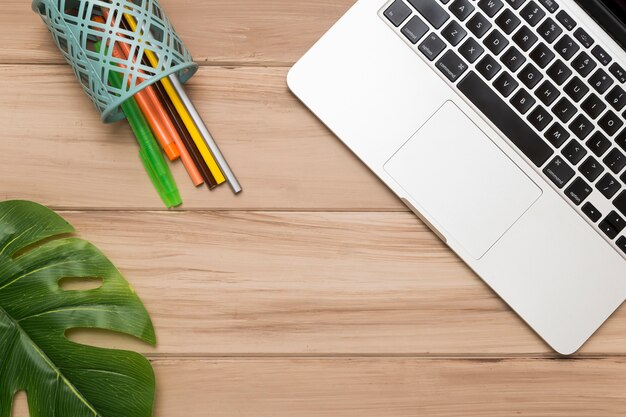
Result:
[{"x": 62, "y": 378}]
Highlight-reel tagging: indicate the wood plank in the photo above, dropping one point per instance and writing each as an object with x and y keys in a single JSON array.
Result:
[
  {"x": 401, "y": 387},
  {"x": 271, "y": 32},
  {"x": 270, "y": 283},
  {"x": 56, "y": 151}
]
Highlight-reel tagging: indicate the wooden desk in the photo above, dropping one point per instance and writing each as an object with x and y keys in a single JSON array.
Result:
[{"x": 315, "y": 293}]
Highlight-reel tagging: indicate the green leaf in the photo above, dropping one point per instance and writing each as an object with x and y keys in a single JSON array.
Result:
[{"x": 62, "y": 378}]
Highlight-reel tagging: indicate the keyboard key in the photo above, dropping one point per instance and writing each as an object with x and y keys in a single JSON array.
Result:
[
  {"x": 559, "y": 172},
  {"x": 592, "y": 212},
  {"x": 574, "y": 152},
  {"x": 516, "y": 4},
  {"x": 615, "y": 160},
  {"x": 550, "y": 5},
  {"x": 608, "y": 230},
  {"x": 505, "y": 119},
  {"x": 397, "y": 13},
  {"x": 583, "y": 37},
  {"x": 620, "y": 203},
  {"x": 598, "y": 144},
  {"x": 616, "y": 221},
  {"x": 508, "y": 21},
  {"x": 530, "y": 76},
  {"x": 576, "y": 89},
  {"x": 496, "y": 42},
  {"x": 471, "y": 50},
  {"x": 610, "y": 123},
  {"x": 566, "y": 20},
  {"x": 549, "y": 30},
  {"x": 591, "y": 169},
  {"x": 617, "y": 98},
  {"x": 601, "y": 55},
  {"x": 532, "y": 13},
  {"x": 445, "y": 1},
  {"x": 431, "y": 11},
  {"x": 581, "y": 127},
  {"x": 601, "y": 81},
  {"x": 490, "y": 7},
  {"x": 432, "y": 46},
  {"x": 525, "y": 38},
  {"x": 593, "y": 106},
  {"x": 523, "y": 101},
  {"x": 621, "y": 243},
  {"x": 557, "y": 135},
  {"x": 540, "y": 118},
  {"x": 461, "y": 9},
  {"x": 414, "y": 30},
  {"x": 559, "y": 72},
  {"x": 478, "y": 25},
  {"x": 621, "y": 140},
  {"x": 623, "y": 178},
  {"x": 451, "y": 65},
  {"x": 583, "y": 64},
  {"x": 488, "y": 67},
  {"x": 505, "y": 84},
  {"x": 618, "y": 72},
  {"x": 454, "y": 33},
  {"x": 566, "y": 47},
  {"x": 542, "y": 55},
  {"x": 547, "y": 93},
  {"x": 513, "y": 59},
  {"x": 578, "y": 191},
  {"x": 608, "y": 186},
  {"x": 564, "y": 110}
]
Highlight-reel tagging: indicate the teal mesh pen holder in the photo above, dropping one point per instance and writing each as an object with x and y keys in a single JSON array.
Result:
[{"x": 74, "y": 30}]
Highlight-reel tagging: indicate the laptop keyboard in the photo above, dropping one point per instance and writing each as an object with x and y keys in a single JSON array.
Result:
[{"x": 541, "y": 79}]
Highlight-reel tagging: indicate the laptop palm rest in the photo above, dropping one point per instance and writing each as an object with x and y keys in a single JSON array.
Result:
[{"x": 462, "y": 181}]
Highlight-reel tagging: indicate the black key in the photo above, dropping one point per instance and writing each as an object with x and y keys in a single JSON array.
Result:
[
  {"x": 583, "y": 64},
  {"x": 574, "y": 152},
  {"x": 488, "y": 67},
  {"x": 445, "y": 1},
  {"x": 591, "y": 169},
  {"x": 593, "y": 106},
  {"x": 496, "y": 42},
  {"x": 490, "y": 7},
  {"x": 540, "y": 118},
  {"x": 557, "y": 135},
  {"x": 542, "y": 55},
  {"x": 478, "y": 25},
  {"x": 505, "y": 119},
  {"x": 621, "y": 140},
  {"x": 598, "y": 143},
  {"x": 621, "y": 243},
  {"x": 559, "y": 72},
  {"x": 451, "y": 65},
  {"x": 505, "y": 84},
  {"x": 434, "y": 13},
  {"x": 551, "y": 5},
  {"x": 610, "y": 123},
  {"x": 576, "y": 89},
  {"x": 516, "y": 4},
  {"x": 508, "y": 21},
  {"x": 608, "y": 186},
  {"x": 530, "y": 76},
  {"x": 583, "y": 37},
  {"x": 620, "y": 203},
  {"x": 559, "y": 172},
  {"x": 564, "y": 110},
  {"x": 581, "y": 127},
  {"x": 608, "y": 229},
  {"x": 565, "y": 20},
  {"x": 454, "y": 33},
  {"x": 601, "y": 55},
  {"x": 532, "y": 13},
  {"x": 566, "y": 47},
  {"x": 547, "y": 93},
  {"x": 549, "y": 30},
  {"x": 525, "y": 38},
  {"x": 523, "y": 101},
  {"x": 471, "y": 50},
  {"x": 578, "y": 191},
  {"x": 461, "y": 9},
  {"x": 414, "y": 30},
  {"x": 623, "y": 177},
  {"x": 513, "y": 59},
  {"x": 397, "y": 13},
  {"x": 618, "y": 72},
  {"x": 432, "y": 46},
  {"x": 592, "y": 212},
  {"x": 601, "y": 81},
  {"x": 617, "y": 98},
  {"x": 615, "y": 160},
  {"x": 616, "y": 221}
]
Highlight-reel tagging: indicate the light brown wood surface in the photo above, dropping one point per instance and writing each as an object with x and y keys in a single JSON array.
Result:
[{"x": 315, "y": 292}]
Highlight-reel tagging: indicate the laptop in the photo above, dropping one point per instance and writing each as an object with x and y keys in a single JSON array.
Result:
[{"x": 500, "y": 124}]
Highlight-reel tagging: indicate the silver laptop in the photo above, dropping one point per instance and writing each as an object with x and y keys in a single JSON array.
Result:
[{"x": 501, "y": 124}]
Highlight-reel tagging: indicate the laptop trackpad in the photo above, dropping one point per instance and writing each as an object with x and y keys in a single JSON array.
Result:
[{"x": 462, "y": 180}]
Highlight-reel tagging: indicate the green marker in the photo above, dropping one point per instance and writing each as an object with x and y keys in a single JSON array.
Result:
[{"x": 149, "y": 151}]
